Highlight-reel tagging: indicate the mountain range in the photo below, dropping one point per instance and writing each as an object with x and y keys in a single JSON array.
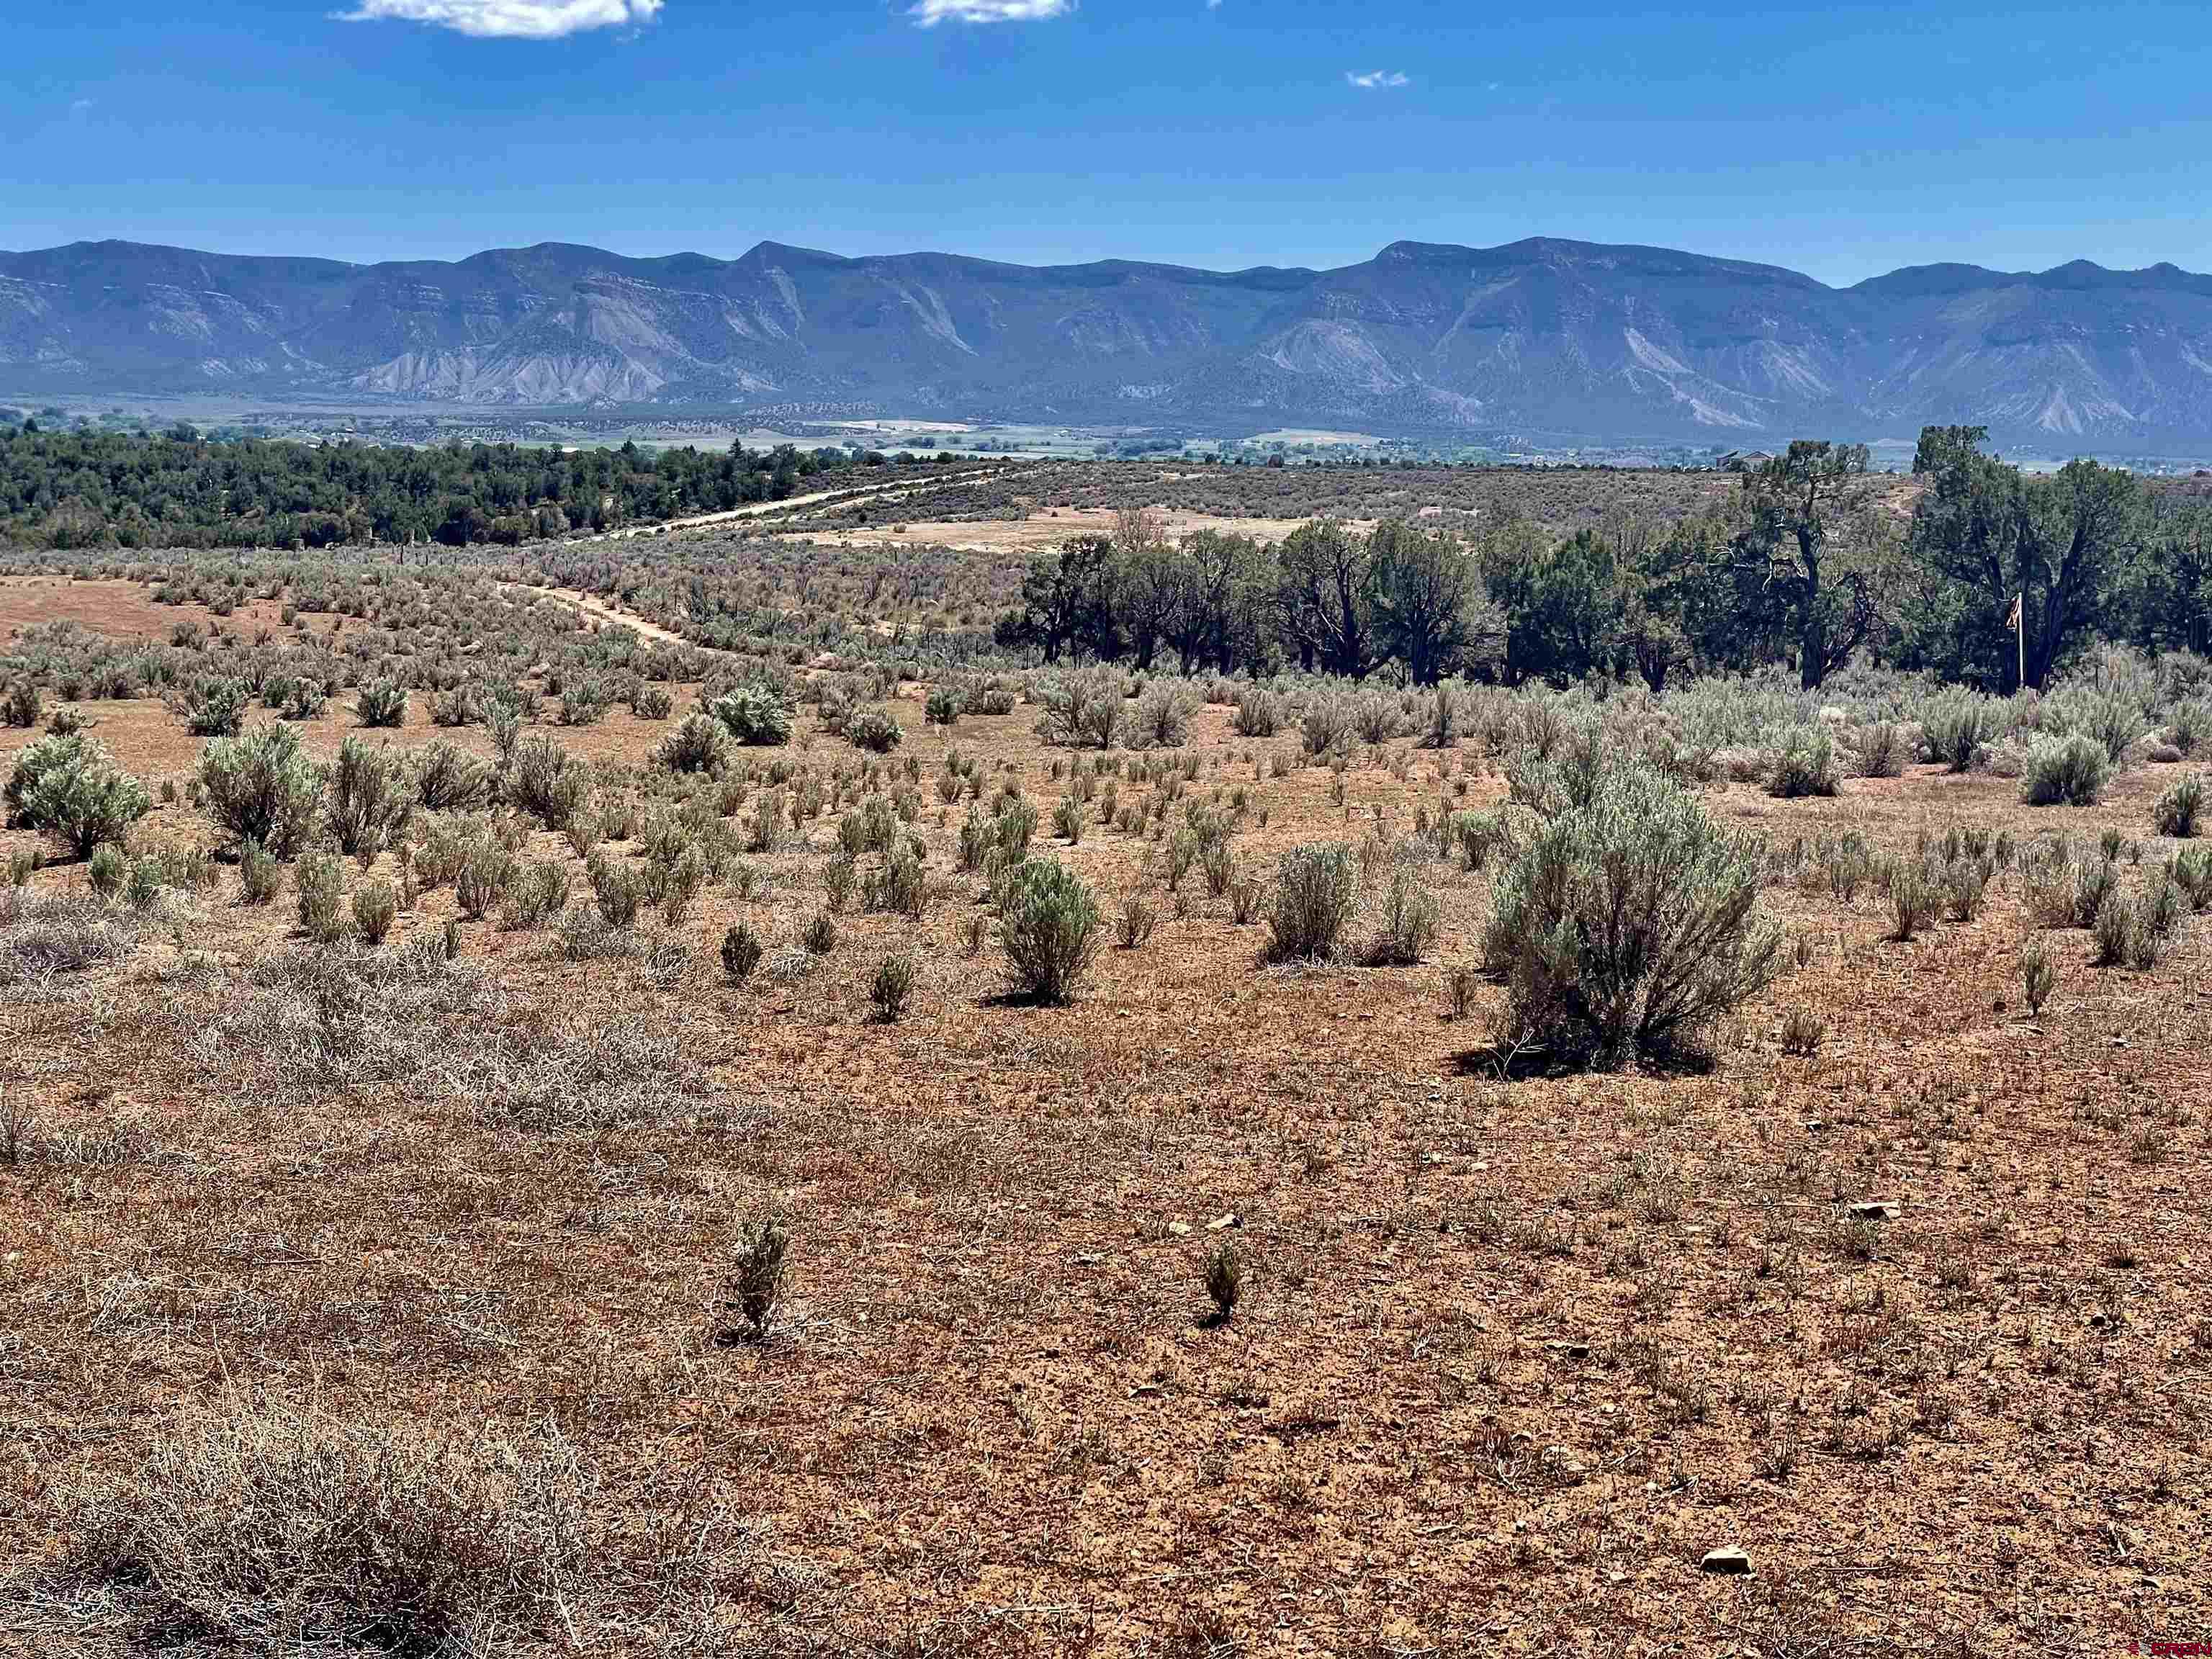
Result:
[{"x": 1606, "y": 343}]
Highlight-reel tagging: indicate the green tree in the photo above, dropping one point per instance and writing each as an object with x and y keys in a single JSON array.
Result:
[
  {"x": 1324, "y": 597},
  {"x": 1430, "y": 611},
  {"x": 1811, "y": 546}
]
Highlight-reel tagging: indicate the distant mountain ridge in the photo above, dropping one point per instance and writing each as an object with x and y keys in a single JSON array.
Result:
[{"x": 1607, "y": 343}]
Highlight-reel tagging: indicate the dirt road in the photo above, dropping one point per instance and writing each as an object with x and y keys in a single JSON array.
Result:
[{"x": 761, "y": 509}]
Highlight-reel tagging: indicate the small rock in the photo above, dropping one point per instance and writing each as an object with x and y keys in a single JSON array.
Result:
[
  {"x": 1179, "y": 1228},
  {"x": 1876, "y": 1210},
  {"x": 1232, "y": 1219},
  {"x": 1433, "y": 1158},
  {"x": 1731, "y": 1560}
]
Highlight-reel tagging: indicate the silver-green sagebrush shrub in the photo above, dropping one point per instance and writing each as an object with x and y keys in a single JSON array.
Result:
[
  {"x": 2069, "y": 770},
  {"x": 1410, "y": 913},
  {"x": 382, "y": 703},
  {"x": 753, "y": 714},
  {"x": 67, "y": 786},
  {"x": 1956, "y": 724},
  {"x": 1628, "y": 925},
  {"x": 549, "y": 783},
  {"x": 876, "y": 730},
  {"x": 1049, "y": 927},
  {"x": 1315, "y": 890},
  {"x": 2178, "y": 807},
  {"x": 1805, "y": 764},
  {"x": 370, "y": 802},
  {"x": 700, "y": 743},
  {"x": 260, "y": 787}
]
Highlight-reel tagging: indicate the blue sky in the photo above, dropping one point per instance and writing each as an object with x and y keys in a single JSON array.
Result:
[{"x": 1841, "y": 139}]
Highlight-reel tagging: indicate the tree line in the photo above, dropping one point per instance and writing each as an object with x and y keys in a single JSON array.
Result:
[
  {"x": 83, "y": 489},
  {"x": 1814, "y": 561}
]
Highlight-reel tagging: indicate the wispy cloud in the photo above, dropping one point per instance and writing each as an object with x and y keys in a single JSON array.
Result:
[
  {"x": 508, "y": 20},
  {"x": 1376, "y": 80},
  {"x": 79, "y": 106},
  {"x": 930, "y": 13}
]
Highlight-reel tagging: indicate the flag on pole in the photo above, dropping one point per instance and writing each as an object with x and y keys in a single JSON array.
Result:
[{"x": 2013, "y": 620}]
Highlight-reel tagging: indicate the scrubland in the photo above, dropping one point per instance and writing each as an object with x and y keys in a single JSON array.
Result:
[{"x": 819, "y": 1138}]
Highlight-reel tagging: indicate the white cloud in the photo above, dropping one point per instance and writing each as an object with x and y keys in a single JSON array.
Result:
[
  {"x": 1376, "y": 80},
  {"x": 508, "y": 20},
  {"x": 930, "y": 13},
  {"x": 79, "y": 107}
]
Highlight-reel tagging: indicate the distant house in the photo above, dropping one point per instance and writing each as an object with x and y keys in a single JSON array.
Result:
[{"x": 1742, "y": 461}]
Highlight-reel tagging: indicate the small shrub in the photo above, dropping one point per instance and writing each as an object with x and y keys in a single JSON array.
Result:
[
  {"x": 1137, "y": 920},
  {"x": 1881, "y": 749},
  {"x": 700, "y": 743},
  {"x": 1315, "y": 890},
  {"x": 757, "y": 1273},
  {"x": 447, "y": 779},
  {"x": 2072, "y": 769},
  {"x": 67, "y": 786},
  {"x": 320, "y": 879},
  {"x": 1629, "y": 924},
  {"x": 1965, "y": 882},
  {"x": 216, "y": 707},
  {"x": 1082, "y": 709},
  {"x": 1803, "y": 1032},
  {"x": 2178, "y": 807},
  {"x": 1410, "y": 914},
  {"x": 535, "y": 895},
  {"x": 486, "y": 873},
  {"x": 2115, "y": 931},
  {"x": 1067, "y": 819},
  {"x": 374, "y": 908},
  {"x": 1259, "y": 713},
  {"x": 1161, "y": 719},
  {"x": 259, "y": 876},
  {"x": 1805, "y": 765},
  {"x": 2039, "y": 975},
  {"x": 820, "y": 936},
  {"x": 753, "y": 714},
  {"x": 616, "y": 889},
  {"x": 1955, "y": 724},
  {"x": 1048, "y": 928},
  {"x": 652, "y": 702},
  {"x": 1459, "y": 991},
  {"x": 261, "y": 787},
  {"x": 584, "y": 702},
  {"x": 943, "y": 708},
  {"x": 547, "y": 783},
  {"x": 369, "y": 800},
  {"x": 1224, "y": 1280},
  {"x": 19, "y": 704},
  {"x": 107, "y": 869},
  {"x": 1912, "y": 898},
  {"x": 741, "y": 953},
  {"x": 381, "y": 704},
  {"x": 892, "y": 987},
  {"x": 875, "y": 730}
]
